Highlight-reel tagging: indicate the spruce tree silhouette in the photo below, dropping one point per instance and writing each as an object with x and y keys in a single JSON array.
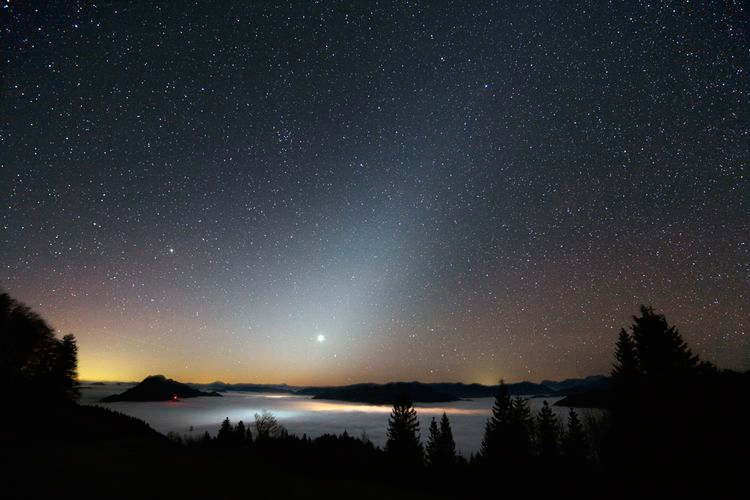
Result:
[
  {"x": 507, "y": 446},
  {"x": 65, "y": 368},
  {"x": 206, "y": 439},
  {"x": 446, "y": 455},
  {"x": 497, "y": 426},
  {"x": 403, "y": 446},
  {"x": 433, "y": 444},
  {"x": 659, "y": 347},
  {"x": 575, "y": 445},
  {"x": 548, "y": 439},
  {"x": 239, "y": 435},
  {"x": 658, "y": 377},
  {"x": 626, "y": 369},
  {"x": 224, "y": 436},
  {"x": 521, "y": 437}
]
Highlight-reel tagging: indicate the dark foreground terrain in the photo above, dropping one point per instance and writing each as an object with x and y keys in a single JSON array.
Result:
[
  {"x": 89, "y": 452},
  {"x": 673, "y": 426}
]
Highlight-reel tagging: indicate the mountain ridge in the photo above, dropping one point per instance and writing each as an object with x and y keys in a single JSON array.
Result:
[{"x": 158, "y": 388}]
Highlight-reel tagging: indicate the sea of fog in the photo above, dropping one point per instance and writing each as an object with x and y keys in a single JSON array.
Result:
[{"x": 302, "y": 414}]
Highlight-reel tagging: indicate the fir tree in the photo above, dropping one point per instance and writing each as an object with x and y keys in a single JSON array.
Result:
[
  {"x": 497, "y": 425},
  {"x": 548, "y": 438},
  {"x": 65, "y": 368},
  {"x": 508, "y": 440},
  {"x": 224, "y": 437},
  {"x": 659, "y": 346},
  {"x": 575, "y": 444},
  {"x": 626, "y": 368},
  {"x": 669, "y": 380},
  {"x": 521, "y": 432},
  {"x": 432, "y": 449},
  {"x": 239, "y": 434},
  {"x": 403, "y": 445},
  {"x": 206, "y": 440},
  {"x": 446, "y": 444}
]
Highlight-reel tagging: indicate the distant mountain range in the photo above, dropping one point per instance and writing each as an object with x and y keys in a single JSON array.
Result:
[
  {"x": 444, "y": 392},
  {"x": 381, "y": 393},
  {"x": 223, "y": 387},
  {"x": 160, "y": 388}
]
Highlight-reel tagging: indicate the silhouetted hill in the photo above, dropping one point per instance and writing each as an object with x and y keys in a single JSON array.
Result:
[
  {"x": 157, "y": 388},
  {"x": 41, "y": 422},
  {"x": 385, "y": 393}
]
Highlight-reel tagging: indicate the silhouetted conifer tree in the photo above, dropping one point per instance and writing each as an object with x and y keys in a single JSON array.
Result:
[
  {"x": 507, "y": 446},
  {"x": 659, "y": 346},
  {"x": 65, "y": 368},
  {"x": 548, "y": 439},
  {"x": 667, "y": 379},
  {"x": 497, "y": 426},
  {"x": 239, "y": 434},
  {"x": 206, "y": 440},
  {"x": 446, "y": 445},
  {"x": 521, "y": 435},
  {"x": 575, "y": 444},
  {"x": 403, "y": 446},
  {"x": 626, "y": 369},
  {"x": 226, "y": 431},
  {"x": 433, "y": 443}
]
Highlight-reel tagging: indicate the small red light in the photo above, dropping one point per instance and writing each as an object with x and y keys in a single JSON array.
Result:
[{"x": 174, "y": 398}]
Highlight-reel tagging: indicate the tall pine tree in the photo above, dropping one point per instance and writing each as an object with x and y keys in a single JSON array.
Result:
[
  {"x": 65, "y": 373},
  {"x": 403, "y": 446},
  {"x": 239, "y": 434},
  {"x": 548, "y": 439},
  {"x": 575, "y": 444},
  {"x": 446, "y": 444},
  {"x": 521, "y": 436},
  {"x": 497, "y": 426},
  {"x": 626, "y": 369},
  {"x": 441, "y": 448},
  {"x": 226, "y": 431},
  {"x": 508, "y": 435},
  {"x": 660, "y": 348},
  {"x": 433, "y": 445}
]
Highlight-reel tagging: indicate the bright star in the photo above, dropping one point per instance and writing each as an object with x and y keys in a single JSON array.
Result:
[{"x": 321, "y": 338}]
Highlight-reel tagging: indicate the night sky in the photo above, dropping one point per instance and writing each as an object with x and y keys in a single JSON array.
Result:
[{"x": 347, "y": 191}]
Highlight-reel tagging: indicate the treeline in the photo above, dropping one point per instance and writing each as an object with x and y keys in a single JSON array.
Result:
[
  {"x": 32, "y": 360},
  {"x": 673, "y": 426},
  {"x": 548, "y": 447}
]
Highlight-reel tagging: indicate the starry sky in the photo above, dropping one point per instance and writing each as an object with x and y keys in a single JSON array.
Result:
[{"x": 328, "y": 192}]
